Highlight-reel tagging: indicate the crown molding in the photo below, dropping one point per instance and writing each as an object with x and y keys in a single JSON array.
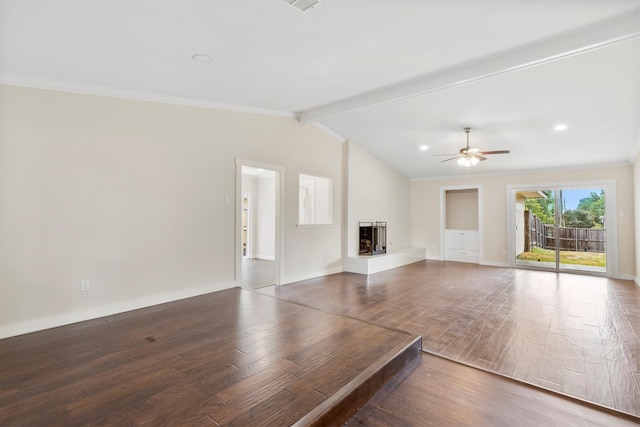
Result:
[
  {"x": 87, "y": 89},
  {"x": 586, "y": 39}
]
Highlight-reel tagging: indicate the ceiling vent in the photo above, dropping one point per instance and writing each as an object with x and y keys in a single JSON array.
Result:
[{"x": 302, "y": 5}]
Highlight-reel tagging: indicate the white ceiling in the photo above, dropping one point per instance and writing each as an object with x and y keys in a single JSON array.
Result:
[
  {"x": 257, "y": 172},
  {"x": 389, "y": 75}
]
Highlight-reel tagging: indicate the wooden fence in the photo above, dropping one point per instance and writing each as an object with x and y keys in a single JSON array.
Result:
[{"x": 539, "y": 235}]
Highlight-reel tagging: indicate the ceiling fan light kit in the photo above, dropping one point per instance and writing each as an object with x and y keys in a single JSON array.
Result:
[
  {"x": 468, "y": 161},
  {"x": 470, "y": 156}
]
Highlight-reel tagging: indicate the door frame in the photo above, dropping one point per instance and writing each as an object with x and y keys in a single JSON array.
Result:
[
  {"x": 279, "y": 222},
  {"x": 611, "y": 216}
]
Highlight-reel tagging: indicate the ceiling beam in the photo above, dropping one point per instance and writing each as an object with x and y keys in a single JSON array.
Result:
[{"x": 596, "y": 36}]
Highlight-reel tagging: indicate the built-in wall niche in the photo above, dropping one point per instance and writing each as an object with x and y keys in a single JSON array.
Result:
[
  {"x": 461, "y": 223},
  {"x": 462, "y": 209},
  {"x": 315, "y": 200}
]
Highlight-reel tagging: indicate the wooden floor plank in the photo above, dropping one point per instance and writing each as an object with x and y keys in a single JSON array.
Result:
[
  {"x": 492, "y": 318},
  {"x": 237, "y": 357},
  {"x": 598, "y": 385},
  {"x": 623, "y": 385},
  {"x": 432, "y": 391},
  {"x": 233, "y": 357}
]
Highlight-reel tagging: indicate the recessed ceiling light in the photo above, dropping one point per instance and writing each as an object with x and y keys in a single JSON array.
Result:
[
  {"x": 201, "y": 57},
  {"x": 424, "y": 147},
  {"x": 560, "y": 127},
  {"x": 303, "y": 5}
]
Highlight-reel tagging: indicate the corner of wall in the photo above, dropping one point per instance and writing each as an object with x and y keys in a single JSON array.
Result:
[{"x": 636, "y": 205}]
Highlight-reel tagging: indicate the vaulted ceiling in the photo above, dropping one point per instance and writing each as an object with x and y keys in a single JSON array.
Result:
[{"x": 389, "y": 75}]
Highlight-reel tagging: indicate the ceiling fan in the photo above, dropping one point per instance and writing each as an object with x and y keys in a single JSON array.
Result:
[{"x": 469, "y": 156}]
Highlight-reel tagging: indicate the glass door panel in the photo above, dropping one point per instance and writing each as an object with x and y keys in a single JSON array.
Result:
[
  {"x": 582, "y": 233},
  {"x": 536, "y": 231}
]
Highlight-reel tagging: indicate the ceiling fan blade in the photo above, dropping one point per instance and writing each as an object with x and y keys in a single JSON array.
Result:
[
  {"x": 494, "y": 152},
  {"x": 446, "y": 160},
  {"x": 471, "y": 155}
]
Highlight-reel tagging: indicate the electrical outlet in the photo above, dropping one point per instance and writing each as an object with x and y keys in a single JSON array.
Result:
[{"x": 84, "y": 285}]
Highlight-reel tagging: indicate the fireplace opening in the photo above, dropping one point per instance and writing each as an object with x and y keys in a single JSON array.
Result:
[{"x": 373, "y": 238}]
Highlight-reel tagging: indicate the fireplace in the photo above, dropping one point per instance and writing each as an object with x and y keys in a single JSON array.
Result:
[{"x": 373, "y": 238}]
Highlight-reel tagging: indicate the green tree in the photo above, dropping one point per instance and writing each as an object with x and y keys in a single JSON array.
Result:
[
  {"x": 594, "y": 204},
  {"x": 579, "y": 218},
  {"x": 588, "y": 214},
  {"x": 543, "y": 208}
]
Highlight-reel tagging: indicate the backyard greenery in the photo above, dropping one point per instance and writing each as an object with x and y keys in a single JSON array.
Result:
[
  {"x": 588, "y": 214},
  {"x": 594, "y": 259}
]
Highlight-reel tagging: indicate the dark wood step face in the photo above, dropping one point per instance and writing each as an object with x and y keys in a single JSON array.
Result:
[{"x": 233, "y": 357}]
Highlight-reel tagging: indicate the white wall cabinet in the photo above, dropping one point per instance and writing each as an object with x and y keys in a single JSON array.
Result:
[{"x": 462, "y": 245}]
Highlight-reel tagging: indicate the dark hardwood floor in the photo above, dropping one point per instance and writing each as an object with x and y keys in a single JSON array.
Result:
[
  {"x": 228, "y": 358},
  {"x": 433, "y": 391},
  {"x": 257, "y": 273},
  {"x": 574, "y": 334},
  {"x": 311, "y": 353}
]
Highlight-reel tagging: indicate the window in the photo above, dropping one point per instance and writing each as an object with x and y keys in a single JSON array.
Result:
[{"x": 315, "y": 197}]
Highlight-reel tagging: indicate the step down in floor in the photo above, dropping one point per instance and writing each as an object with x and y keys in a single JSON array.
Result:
[{"x": 338, "y": 408}]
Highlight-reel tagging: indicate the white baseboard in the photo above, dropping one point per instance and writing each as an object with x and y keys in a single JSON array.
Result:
[
  {"x": 624, "y": 277},
  {"x": 62, "y": 319},
  {"x": 265, "y": 257},
  {"x": 494, "y": 264},
  {"x": 613, "y": 276}
]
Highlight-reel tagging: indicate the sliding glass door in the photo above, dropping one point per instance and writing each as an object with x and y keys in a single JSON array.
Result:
[
  {"x": 560, "y": 228},
  {"x": 582, "y": 235},
  {"x": 536, "y": 226}
]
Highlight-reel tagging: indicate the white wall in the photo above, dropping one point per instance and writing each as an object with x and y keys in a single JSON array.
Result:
[
  {"x": 138, "y": 197},
  {"x": 265, "y": 214},
  {"x": 462, "y": 209},
  {"x": 376, "y": 193},
  {"x": 425, "y": 210},
  {"x": 249, "y": 186}
]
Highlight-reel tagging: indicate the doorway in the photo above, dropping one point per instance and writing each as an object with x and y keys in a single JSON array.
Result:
[
  {"x": 259, "y": 243},
  {"x": 564, "y": 227}
]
